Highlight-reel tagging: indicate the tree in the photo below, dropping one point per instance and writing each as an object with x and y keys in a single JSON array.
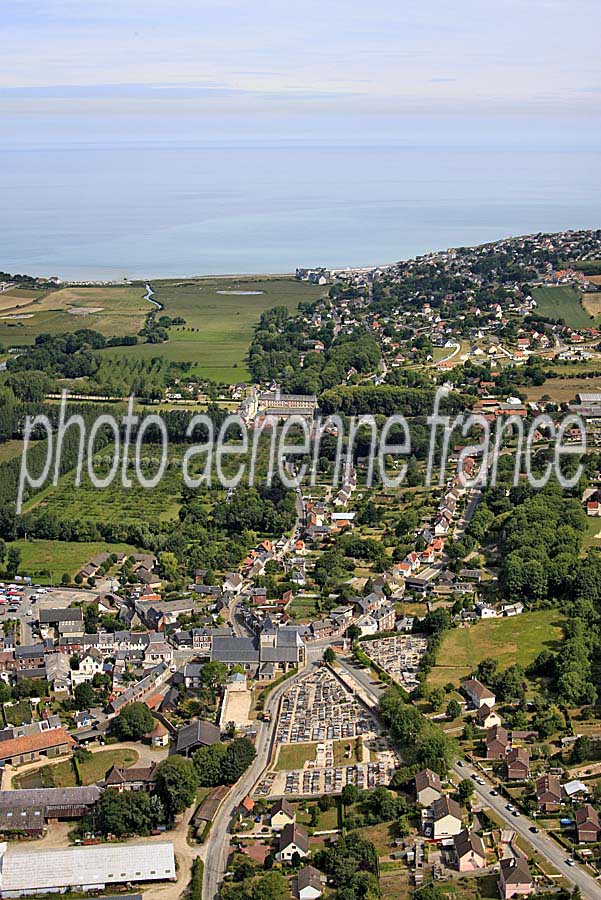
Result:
[
  {"x": 465, "y": 790},
  {"x": 453, "y": 710},
  {"x": 84, "y": 695},
  {"x": 176, "y": 784},
  {"x": 329, "y": 655},
  {"x": 131, "y": 812},
  {"x": 349, "y": 795},
  {"x": 133, "y": 722},
  {"x": 207, "y": 764},
  {"x": 13, "y": 560},
  {"x": 436, "y": 697},
  {"x": 214, "y": 673},
  {"x": 236, "y": 760},
  {"x": 353, "y": 633},
  {"x": 65, "y": 579}
]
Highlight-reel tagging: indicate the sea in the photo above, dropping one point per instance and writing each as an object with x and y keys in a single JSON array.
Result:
[{"x": 169, "y": 208}]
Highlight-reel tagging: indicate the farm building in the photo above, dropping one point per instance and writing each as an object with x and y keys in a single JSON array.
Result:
[{"x": 83, "y": 868}]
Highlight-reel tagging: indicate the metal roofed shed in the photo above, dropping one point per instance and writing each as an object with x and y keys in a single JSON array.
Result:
[{"x": 83, "y": 868}]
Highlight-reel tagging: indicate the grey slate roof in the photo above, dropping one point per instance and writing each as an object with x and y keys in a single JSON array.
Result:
[
  {"x": 235, "y": 649},
  {"x": 50, "y": 797},
  {"x": 196, "y": 733}
]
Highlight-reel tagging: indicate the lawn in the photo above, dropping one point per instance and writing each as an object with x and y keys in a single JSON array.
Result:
[
  {"x": 562, "y": 303},
  {"x": 220, "y": 318},
  {"x": 114, "y": 311},
  {"x": 340, "y": 755},
  {"x": 46, "y": 560},
  {"x": 294, "y": 756},
  {"x": 592, "y": 537},
  {"x": 63, "y": 774},
  {"x": 518, "y": 639}
]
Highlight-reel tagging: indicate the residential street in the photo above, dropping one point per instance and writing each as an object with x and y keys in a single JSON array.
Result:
[
  {"x": 552, "y": 852},
  {"x": 546, "y": 846}
]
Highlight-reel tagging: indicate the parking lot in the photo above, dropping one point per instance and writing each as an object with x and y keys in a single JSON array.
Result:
[{"x": 399, "y": 656}]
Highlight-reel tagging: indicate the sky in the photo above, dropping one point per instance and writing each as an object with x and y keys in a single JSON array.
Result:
[{"x": 77, "y": 71}]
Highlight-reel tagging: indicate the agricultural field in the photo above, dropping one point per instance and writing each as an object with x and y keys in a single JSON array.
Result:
[
  {"x": 116, "y": 502},
  {"x": 562, "y": 302},
  {"x": 220, "y": 317},
  {"x": 518, "y": 639},
  {"x": 562, "y": 390},
  {"x": 114, "y": 311},
  {"x": 18, "y": 298},
  {"x": 592, "y": 304},
  {"x": 47, "y": 561},
  {"x": 10, "y": 449}
]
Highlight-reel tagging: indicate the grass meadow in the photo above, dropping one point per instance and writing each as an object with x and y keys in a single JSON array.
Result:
[
  {"x": 113, "y": 311},
  {"x": 562, "y": 302},
  {"x": 514, "y": 640},
  {"x": 220, "y": 318},
  {"x": 46, "y": 560}
]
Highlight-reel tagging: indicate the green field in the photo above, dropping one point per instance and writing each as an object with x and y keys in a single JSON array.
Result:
[
  {"x": 219, "y": 326},
  {"x": 49, "y": 560},
  {"x": 10, "y": 449},
  {"x": 114, "y": 311},
  {"x": 562, "y": 302},
  {"x": 63, "y": 774},
  {"x": 115, "y": 502},
  {"x": 294, "y": 756},
  {"x": 518, "y": 639}
]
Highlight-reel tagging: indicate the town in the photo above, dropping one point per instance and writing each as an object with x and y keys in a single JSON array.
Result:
[{"x": 332, "y": 687}]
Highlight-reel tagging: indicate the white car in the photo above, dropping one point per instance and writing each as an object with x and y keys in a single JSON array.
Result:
[{"x": 42, "y": 591}]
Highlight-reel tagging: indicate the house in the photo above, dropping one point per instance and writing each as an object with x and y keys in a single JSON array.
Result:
[
  {"x": 587, "y": 825},
  {"x": 428, "y": 787},
  {"x": 308, "y": 883},
  {"x": 197, "y": 734},
  {"x": 548, "y": 793},
  {"x": 294, "y": 839},
  {"x": 478, "y": 694},
  {"x": 515, "y": 879},
  {"x": 50, "y": 744},
  {"x": 282, "y": 814},
  {"x": 159, "y": 736},
  {"x": 518, "y": 763},
  {"x": 470, "y": 851},
  {"x": 497, "y": 742},
  {"x": 83, "y": 719},
  {"x": 446, "y": 818},
  {"x": 131, "y": 779},
  {"x": 246, "y": 806},
  {"x": 92, "y": 664},
  {"x": 486, "y": 717}
]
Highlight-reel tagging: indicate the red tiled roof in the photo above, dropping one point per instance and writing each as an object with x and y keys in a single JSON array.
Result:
[{"x": 32, "y": 743}]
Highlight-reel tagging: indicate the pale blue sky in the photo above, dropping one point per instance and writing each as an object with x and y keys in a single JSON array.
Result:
[{"x": 342, "y": 66}]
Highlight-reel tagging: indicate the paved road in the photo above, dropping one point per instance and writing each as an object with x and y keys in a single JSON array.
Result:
[
  {"x": 215, "y": 851},
  {"x": 546, "y": 846}
]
